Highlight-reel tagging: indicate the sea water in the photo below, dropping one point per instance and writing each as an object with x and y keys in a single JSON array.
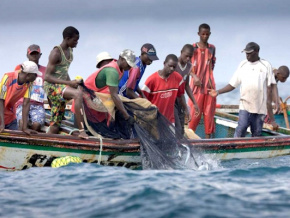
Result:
[{"x": 236, "y": 188}]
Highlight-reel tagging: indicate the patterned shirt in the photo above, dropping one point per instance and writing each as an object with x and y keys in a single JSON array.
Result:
[{"x": 11, "y": 92}]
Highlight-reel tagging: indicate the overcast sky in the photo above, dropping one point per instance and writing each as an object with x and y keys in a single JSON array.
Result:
[{"x": 116, "y": 25}]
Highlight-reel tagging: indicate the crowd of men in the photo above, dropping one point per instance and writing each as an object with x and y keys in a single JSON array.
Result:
[{"x": 22, "y": 91}]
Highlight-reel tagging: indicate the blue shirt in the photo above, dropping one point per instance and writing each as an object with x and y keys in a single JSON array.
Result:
[{"x": 132, "y": 77}]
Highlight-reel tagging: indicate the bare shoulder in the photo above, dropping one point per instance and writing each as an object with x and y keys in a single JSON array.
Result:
[{"x": 55, "y": 56}]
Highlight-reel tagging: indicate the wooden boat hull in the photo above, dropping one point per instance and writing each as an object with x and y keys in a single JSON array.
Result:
[{"x": 19, "y": 151}]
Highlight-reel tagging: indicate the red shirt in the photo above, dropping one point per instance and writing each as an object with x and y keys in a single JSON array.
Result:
[
  {"x": 163, "y": 92},
  {"x": 11, "y": 92}
]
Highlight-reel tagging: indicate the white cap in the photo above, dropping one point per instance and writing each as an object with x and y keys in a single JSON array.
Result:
[
  {"x": 102, "y": 57},
  {"x": 30, "y": 67}
]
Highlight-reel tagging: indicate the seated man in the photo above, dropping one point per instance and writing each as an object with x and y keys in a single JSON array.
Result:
[
  {"x": 129, "y": 84},
  {"x": 58, "y": 85},
  {"x": 36, "y": 109},
  {"x": 106, "y": 80},
  {"x": 14, "y": 86}
]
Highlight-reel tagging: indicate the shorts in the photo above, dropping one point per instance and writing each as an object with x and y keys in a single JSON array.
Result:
[
  {"x": 12, "y": 126},
  {"x": 36, "y": 114},
  {"x": 58, "y": 103}
]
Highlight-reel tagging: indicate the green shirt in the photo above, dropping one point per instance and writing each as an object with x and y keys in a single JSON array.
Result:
[{"x": 108, "y": 76}]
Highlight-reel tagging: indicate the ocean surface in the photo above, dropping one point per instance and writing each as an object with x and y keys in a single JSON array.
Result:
[{"x": 236, "y": 188}]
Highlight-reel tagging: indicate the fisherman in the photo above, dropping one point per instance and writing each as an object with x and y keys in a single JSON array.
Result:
[
  {"x": 255, "y": 77},
  {"x": 129, "y": 84},
  {"x": 58, "y": 85},
  {"x": 203, "y": 61},
  {"x": 183, "y": 67},
  {"x": 163, "y": 87},
  {"x": 281, "y": 74},
  {"x": 14, "y": 86},
  {"x": 36, "y": 116},
  {"x": 105, "y": 80}
]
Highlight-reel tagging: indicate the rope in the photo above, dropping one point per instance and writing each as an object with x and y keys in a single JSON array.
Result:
[{"x": 101, "y": 149}]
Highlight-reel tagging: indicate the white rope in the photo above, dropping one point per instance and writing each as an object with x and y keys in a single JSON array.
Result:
[{"x": 100, "y": 154}]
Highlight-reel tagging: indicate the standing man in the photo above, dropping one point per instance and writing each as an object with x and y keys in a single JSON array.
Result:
[
  {"x": 13, "y": 86},
  {"x": 163, "y": 87},
  {"x": 255, "y": 76},
  {"x": 184, "y": 68},
  {"x": 203, "y": 61},
  {"x": 129, "y": 84},
  {"x": 58, "y": 85},
  {"x": 36, "y": 111}
]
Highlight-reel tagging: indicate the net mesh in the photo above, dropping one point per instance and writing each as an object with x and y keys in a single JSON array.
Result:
[{"x": 161, "y": 146}]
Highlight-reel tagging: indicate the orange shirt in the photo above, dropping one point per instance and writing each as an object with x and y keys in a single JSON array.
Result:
[{"x": 11, "y": 92}]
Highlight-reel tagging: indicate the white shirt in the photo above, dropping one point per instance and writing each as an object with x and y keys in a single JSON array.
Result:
[{"x": 254, "y": 77}]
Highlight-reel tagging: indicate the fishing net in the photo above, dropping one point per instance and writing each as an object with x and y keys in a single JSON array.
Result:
[{"x": 161, "y": 146}]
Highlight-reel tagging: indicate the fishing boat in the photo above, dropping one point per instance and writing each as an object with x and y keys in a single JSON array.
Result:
[{"x": 19, "y": 151}]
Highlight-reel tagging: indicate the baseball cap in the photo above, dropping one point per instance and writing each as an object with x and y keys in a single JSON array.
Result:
[
  {"x": 150, "y": 51},
  {"x": 129, "y": 56},
  {"x": 33, "y": 48},
  {"x": 250, "y": 47},
  {"x": 30, "y": 67},
  {"x": 102, "y": 57}
]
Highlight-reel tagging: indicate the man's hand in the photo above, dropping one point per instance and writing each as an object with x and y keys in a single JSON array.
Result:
[
  {"x": 275, "y": 125},
  {"x": 212, "y": 92},
  {"x": 74, "y": 83},
  {"x": 187, "y": 117},
  {"x": 197, "y": 111},
  {"x": 131, "y": 121},
  {"x": 196, "y": 80}
]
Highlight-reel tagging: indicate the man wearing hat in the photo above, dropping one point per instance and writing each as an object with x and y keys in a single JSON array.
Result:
[
  {"x": 129, "y": 84},
  {"x": 106, "y": 80},
  {"x": 13, "y": 86},
  {"x": 255, "y": 77},
  {"x": 36, "y": 110},
  {"x": 103, "y": 58}
]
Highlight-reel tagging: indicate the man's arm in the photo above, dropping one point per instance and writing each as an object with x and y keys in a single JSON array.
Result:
[
  {"x": 25, "y": 111},
  {"x": 190, "y": 95},
  {"x": 225, "y": 89},
  {"x": 131, "y": 94},
  {"x": 269, "y": 106},
  {"x": 118, "y": 103},
  {"x": 54, "y": 59},
  {"x": 140, "y": 92},
  {"x": 275, "y": 97},
  {"x": 2, "y": 124},
  {"x": 134, "y": 74}
]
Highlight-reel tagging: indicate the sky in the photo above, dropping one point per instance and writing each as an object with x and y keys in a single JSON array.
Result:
[{"x": 115, "y": 25}]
